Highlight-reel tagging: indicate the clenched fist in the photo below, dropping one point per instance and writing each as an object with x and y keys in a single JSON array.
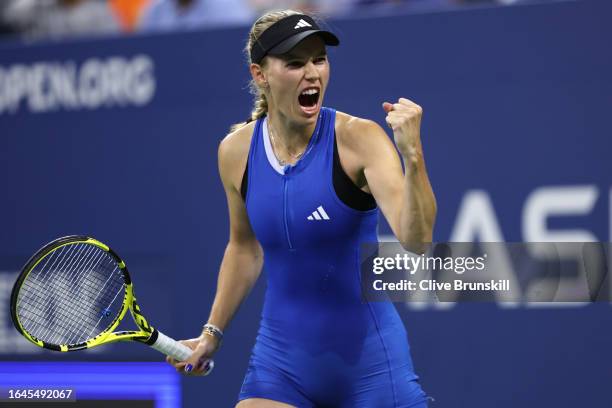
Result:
[{"x": 404, "y": 117}]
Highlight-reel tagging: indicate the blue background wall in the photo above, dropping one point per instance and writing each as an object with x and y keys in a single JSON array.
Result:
[{"x": 515, "y": 102}]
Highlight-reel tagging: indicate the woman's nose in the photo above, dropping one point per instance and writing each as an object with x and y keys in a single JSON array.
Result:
[{"x": 311, "y": 71}]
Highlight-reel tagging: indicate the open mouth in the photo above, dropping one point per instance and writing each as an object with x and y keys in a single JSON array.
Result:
[{"x": 309, "y": 98}]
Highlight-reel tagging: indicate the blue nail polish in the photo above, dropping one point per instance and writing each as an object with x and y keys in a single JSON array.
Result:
[{"x": 188, "y": 368}]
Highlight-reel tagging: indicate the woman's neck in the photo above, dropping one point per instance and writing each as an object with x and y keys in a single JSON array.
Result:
[{"x": 289, "y": 137}]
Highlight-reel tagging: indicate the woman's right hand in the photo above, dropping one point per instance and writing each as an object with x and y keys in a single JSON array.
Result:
[{"x": 204, "y": 347}]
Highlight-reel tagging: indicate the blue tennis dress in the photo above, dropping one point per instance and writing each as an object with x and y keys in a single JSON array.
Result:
[{"x": 318, "y": 345}]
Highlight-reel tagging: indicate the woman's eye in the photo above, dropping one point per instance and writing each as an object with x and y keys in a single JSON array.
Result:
[
  {"x": 294, "y": 64},
  {"x": 320, "y": 60}
]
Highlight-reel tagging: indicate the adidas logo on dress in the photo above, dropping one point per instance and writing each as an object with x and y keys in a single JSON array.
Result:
[
  {"x": 318, "y": 215},
  {"x": 301, "y": 24}
]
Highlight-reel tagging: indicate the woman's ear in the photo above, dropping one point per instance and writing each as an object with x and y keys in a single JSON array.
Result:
[{"x": 258, "y": 75}]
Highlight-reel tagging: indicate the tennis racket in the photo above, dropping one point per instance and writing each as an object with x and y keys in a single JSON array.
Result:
[{"x": 73, "y": 293}]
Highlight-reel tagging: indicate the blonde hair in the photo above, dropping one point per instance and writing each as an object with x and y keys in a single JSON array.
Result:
[{"x": 260, "y": 104}]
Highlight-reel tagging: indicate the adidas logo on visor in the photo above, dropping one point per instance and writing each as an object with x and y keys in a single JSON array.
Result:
[
  {"x": 301, "y": 24},
  {"x": 319, "y": 214}
]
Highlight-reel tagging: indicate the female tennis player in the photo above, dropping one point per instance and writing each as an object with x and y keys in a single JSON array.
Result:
[{"x": 304, "y": 184}]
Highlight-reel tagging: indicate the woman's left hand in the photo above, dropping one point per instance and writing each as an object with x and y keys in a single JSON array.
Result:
[{"x": 404, "y": 117}]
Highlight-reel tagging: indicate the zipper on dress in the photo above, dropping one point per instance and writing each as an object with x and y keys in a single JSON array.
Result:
[{"x": 285, "y": 205}]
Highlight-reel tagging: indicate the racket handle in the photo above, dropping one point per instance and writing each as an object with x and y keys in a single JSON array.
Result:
[{"x": 176, "y": 350}]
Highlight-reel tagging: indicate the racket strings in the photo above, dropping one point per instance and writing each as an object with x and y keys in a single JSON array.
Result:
[
  {"x": 85, "y": 284},
  {"x": 62, "y": 267},
  {"x": 105, "y": 299},
  {"x": 59, "y": 264},
  {"x": 67, "y": 283},
  {"x": 53, "y": 282},
  {"x": 72, "y": 295},
  {"x": 75, "y": 284},
  {"x": 31, "y": 292},
  {"x": 80, "y": 285}
]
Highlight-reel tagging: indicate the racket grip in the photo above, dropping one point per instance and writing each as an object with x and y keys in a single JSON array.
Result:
[
  {"x": 171, "y": 347},
  {"x": 176, "y": 350}
]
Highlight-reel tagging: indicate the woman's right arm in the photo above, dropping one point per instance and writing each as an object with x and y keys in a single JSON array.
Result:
[{"x": 243, "y": 258}]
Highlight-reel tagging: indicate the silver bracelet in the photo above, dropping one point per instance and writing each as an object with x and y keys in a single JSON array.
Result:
[{"x": 214, "y": 331}]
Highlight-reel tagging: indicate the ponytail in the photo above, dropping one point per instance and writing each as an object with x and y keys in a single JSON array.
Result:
[{"x": 260, "y": 109}]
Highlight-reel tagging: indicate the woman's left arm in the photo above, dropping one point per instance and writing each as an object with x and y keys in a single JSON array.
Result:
[{"x": 406, "y": 199}]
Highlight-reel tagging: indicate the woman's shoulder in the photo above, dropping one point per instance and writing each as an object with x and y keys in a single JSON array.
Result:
[
  {"x": 233, "y": 153},
  {"x": 235, "y": 145},
  {"x": 355, "y": 132}
]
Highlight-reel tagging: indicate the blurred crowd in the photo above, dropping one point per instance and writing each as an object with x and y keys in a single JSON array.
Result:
[{"x": 37, "y": 19}]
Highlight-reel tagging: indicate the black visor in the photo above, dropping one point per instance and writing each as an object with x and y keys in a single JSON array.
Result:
[{"x": 285, "y": 34}]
